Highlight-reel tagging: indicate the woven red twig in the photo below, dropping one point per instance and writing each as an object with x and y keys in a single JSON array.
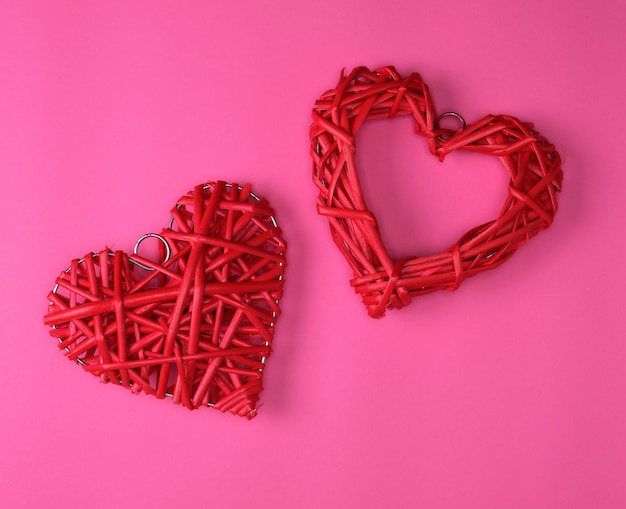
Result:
[
  {"x": 533, "y": 164},
  {"x": 199, "y": 326}
]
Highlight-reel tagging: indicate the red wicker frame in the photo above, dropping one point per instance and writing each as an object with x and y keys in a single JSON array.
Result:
[
  {"x": 199, "y": 326},
  {"x": 533, "y": 164}
]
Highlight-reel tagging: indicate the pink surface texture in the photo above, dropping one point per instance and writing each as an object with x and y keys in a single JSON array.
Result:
[{"x": 508, "y": 393}]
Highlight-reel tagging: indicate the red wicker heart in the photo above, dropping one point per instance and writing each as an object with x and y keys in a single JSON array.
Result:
[
  {"x": 533, "y": 164},
  {"x": 197, "y": 326}
]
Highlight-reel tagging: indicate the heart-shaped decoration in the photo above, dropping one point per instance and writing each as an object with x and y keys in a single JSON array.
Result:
[
  {"x": 197, "y": 326},
  {"x": 532, "y": 162}
]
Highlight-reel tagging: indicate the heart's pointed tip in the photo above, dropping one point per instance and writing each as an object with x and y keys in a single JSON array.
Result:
[
  {"x": 375, "y": 312},
  {"x": 250, "y": 411}
]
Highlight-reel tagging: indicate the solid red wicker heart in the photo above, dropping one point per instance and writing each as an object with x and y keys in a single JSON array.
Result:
[
  {"x": 197, "y": 326},
  {"x": 532, "y": 162}
]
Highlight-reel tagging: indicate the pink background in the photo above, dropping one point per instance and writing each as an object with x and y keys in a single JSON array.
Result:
[{"x": 508, "y": 393}]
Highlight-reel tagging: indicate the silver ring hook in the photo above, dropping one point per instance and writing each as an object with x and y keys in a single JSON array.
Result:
[
  {"x": 447, "y": 136},
  {"x": 168, "y": 249}
]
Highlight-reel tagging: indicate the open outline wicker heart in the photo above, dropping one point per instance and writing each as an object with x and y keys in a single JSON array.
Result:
[
  {"x": 196, "y": 326},
  {"x": 532, "y": 162}
]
